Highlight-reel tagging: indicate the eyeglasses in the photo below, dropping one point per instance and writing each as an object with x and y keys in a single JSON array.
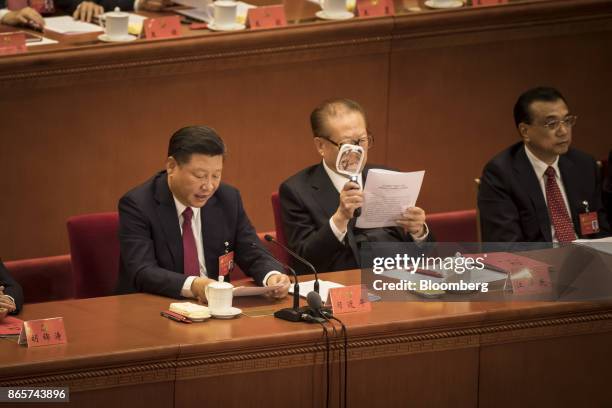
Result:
[
  {"x": 366, "y": 142},
  {"x": 553, "y": 124}
]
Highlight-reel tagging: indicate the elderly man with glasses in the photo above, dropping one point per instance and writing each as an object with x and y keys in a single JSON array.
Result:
[
  {"x": 318, "y": 203},
  {"x": 541, "y": 189}
]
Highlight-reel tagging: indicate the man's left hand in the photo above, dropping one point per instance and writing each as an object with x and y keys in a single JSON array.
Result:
[
  {"x": 279, "y": 279},
  {"x": 413, "y": 221},
  {"x": 87, "y": 10}
]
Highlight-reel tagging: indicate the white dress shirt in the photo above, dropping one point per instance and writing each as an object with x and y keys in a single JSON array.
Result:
[
  {"x": 339, "y": 181},
  {"x": 196, "y": 227},
  {"x": 540, "y": 167}
]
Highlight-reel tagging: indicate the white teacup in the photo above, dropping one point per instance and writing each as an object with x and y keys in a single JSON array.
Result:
[
  {"x": 333, "y": 7},
  {"x": 225, "y": 13},
  {"x": 219, "y": 295},
  {"x": 116, "y": 24}
]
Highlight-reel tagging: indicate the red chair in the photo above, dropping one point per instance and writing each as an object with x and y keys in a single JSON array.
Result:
[
  {"x": 454, "y": 226},
  {"x": 280, "y": 232},
  {"x": 43, "y": 279},
  {"x": 94, "y": 246}
]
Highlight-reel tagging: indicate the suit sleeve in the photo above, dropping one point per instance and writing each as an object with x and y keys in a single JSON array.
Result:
[
  {"x": 251, "y": 256},
  {"x": 11, "y": 288},
  {"x": 318, "y": 244},
  {"x": 138, "y": 254},
  {"x": 499, "y": 216},
  {"x": 69, "y": 6}
]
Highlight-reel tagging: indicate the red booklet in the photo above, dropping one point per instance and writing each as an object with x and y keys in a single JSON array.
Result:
[{"x": 10, "y": 326}]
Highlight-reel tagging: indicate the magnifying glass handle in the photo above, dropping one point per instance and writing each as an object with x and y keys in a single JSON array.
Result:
[{"x": 357, "y": 211}]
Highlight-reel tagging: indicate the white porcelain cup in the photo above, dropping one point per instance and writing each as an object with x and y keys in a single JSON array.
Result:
[
  {"x": 333, "y": 7},
  {"x": 219, "y": 295},
  {"x": 443, "y": 3},
  {"x": 225, "y": 13},
  {"x": 116, "y": 24}
]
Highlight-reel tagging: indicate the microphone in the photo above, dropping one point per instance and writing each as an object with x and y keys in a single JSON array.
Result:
[
  {"x": 316, "y": 305},
  {"x": 291, "y": 314},
  {"x": 357, "y": 211},
  {"x": 269, "y": 238}
]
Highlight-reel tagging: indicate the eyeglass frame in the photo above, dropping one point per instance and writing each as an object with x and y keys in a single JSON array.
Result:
[
  {"x": 569, "y": 121},
  {"x": 369, "y": 140}
]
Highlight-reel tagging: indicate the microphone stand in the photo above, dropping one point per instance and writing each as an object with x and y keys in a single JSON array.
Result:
[{"x": 303, "y": 261}]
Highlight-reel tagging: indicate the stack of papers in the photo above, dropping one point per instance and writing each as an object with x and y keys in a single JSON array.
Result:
[
  {"x": 324, "y": 287},
  {"x": 602, "y": 244},
  {"x": 69, "y": 26}
]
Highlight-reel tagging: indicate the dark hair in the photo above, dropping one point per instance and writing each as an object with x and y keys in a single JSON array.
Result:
[
  {"x": 195, "y": 139},
  {"x": 332, "y": 107},
  {"x": 541, "y": 93}
]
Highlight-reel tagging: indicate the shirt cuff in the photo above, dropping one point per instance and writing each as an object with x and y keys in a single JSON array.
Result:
[
  {"x": 3, "y": 12},
  {"x": 186, "y": 291},
  {"x": 265, "y": 279},
  {"x": 339, "y": 234},
  {"x": 423, "y": 237}
]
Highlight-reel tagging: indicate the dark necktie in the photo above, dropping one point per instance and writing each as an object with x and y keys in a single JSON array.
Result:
[
  {"x": 561, "y": 221},
  {"x": 191, "y": 265}
]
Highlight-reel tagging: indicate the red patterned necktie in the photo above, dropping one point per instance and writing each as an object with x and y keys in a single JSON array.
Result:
[
  {"x": 191, "y": 265},
  {"x": 561, "y": 221}
]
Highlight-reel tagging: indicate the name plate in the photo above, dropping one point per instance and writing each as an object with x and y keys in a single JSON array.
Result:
[
  {"x": 43, "y": 332},
  {"x": 531, "y": 281},
  {"x": 12, "y": 43},
  {"x": 349, "y": 299},
  {"x": 266, "y": 17},
  {"x": 162, "y": 27},
  {"x": 376, "y": 8}
]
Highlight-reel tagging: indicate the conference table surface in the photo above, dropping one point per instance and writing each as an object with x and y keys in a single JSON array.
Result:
[{"x": 119, "y": 331}]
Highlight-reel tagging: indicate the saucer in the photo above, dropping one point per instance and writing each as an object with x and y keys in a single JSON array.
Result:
[
  {"x": 343, "y": 15},
  {"x": 227, "y": 314},
  {"x": 126, "y": 38},
  {"x": 445, "y": 5},
  {"x": 202, "y": 319},
  {"x": 231, "y": 27}
]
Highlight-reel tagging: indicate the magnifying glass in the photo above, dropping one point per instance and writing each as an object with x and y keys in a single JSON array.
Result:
[{"x": 349, "y": 161}]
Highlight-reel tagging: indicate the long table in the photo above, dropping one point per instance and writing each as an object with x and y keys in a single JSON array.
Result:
[
  {"x": 81, "y": 125},
  {"x": 121, "y": 352}
]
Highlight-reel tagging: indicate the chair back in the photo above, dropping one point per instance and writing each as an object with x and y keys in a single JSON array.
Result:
[
  {"x": 94, "y": 247},
  {"x": 454, "y": 226}
]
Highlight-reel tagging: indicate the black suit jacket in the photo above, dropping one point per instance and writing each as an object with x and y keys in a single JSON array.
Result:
[
  {"x": 152, "y": 246},
  {"x": 512, "y": 205},
  {"x": 308, "y": 200},
  {"x": 11, "y": 287},
  {"x": 69, "y": 6}
]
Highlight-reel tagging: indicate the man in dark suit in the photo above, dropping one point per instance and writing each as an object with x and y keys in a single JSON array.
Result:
[
  {"x": 318, "y": 203},
  {"x": 11, "y": 294},
  {"x": 527, "y": 189},
  {"x": 174, "y": 228},
  {"x": 26, "y": 16}
]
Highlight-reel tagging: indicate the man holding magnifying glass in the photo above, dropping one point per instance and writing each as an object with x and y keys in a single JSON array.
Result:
[{"x": 318, "y": 203}]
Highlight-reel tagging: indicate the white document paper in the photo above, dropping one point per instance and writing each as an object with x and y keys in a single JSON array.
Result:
[
  {"x": 204, "y": 11},
  {"x": 324, "y": 287},
  {"x": 43, "y": 41},
  {"x": 386, "y": 195},
  {"x": 254, "y": 290},
  {"x": 601, "y": 244},
  {"x": 68, "y": 25}
]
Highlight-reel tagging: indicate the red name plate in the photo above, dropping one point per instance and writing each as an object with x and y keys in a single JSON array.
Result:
[
  {"x": 43, "y": 332},
  {"x": 379, "y": 8},
  {"x": 349, "y": 299},
  {"x": 537, "y": 281},
  {"x": 12, "y": 43},
  {"x": 266, "y": 17},
  {"x": 162, "y": 27},
  {"x": 479, "y": 3}
]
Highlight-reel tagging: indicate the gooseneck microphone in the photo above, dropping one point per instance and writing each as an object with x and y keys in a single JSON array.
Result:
[
  {"x": 269, "y": 238},
  {"x": 292, "y": 314},
  {"x": 357, "y": 211}
]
